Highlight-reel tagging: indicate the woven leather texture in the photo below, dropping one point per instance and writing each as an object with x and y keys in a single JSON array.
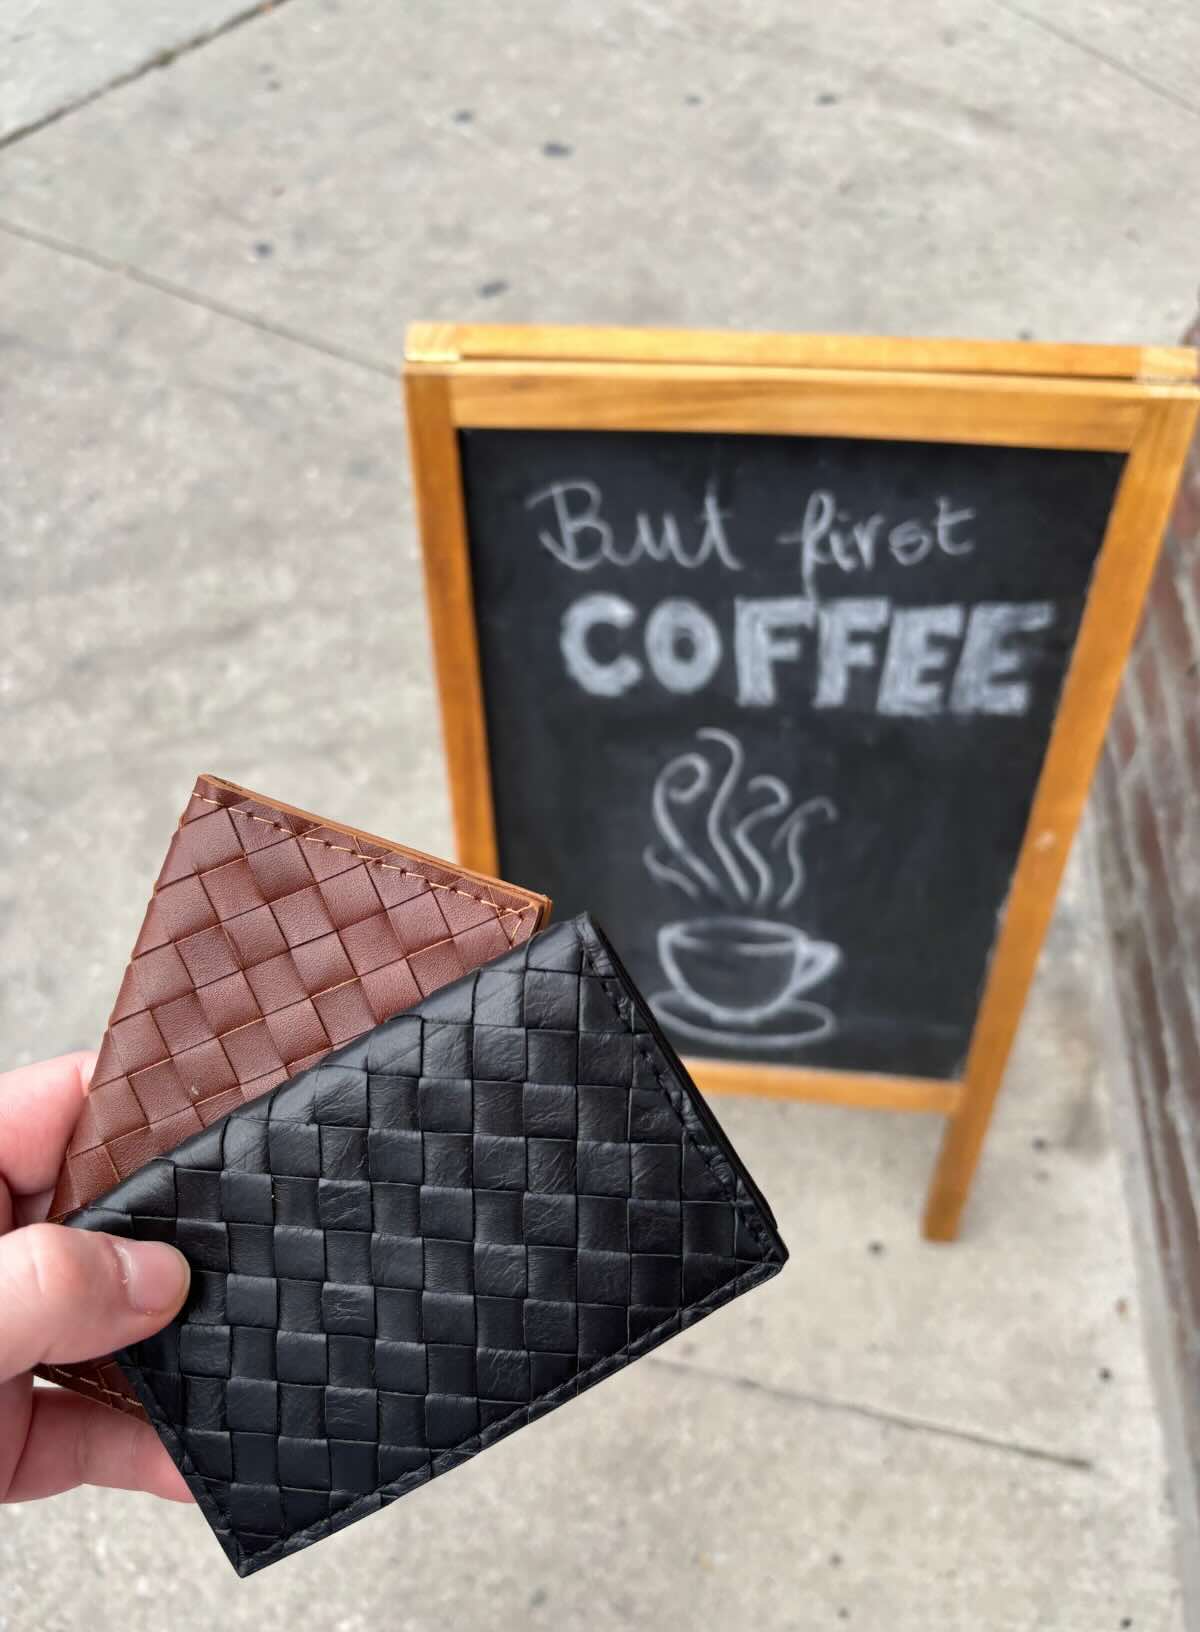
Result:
[
  {"x": 432, "y": 1237},
  {"x": 271, "y": 937}
]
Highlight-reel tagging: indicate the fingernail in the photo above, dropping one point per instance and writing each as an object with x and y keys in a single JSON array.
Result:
[{"x": 154, "y": 1275}]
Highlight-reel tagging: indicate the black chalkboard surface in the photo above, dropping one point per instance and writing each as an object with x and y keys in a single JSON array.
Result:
[{"x": 774, "y": 708}]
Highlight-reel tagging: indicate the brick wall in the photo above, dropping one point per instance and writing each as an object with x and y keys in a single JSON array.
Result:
[{"x": 1146, "y": 825}]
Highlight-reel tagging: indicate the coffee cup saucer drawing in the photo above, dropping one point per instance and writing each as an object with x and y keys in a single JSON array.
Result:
[{"x": 797, "y": 1022}]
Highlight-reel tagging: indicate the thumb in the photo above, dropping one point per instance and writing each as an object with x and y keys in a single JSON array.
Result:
[{"x": 73, "y": 1294}]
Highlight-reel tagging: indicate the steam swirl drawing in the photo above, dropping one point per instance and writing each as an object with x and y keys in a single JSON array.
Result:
[{"x": 734, "y": 846}]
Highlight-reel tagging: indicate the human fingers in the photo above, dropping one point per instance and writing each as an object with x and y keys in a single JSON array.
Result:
[
  {"x": 73, "y": 1294},
  {"x": 39, "y": 1106},
  {"x": 72, "y": 1441}
]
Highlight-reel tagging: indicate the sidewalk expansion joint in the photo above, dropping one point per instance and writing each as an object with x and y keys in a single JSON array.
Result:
[
  {"x": 194, "y": 297},
  {"x": 160, "y": 59},
  {"x": 877, "y": 1414},
  {"x": 1065, "y": 37}
]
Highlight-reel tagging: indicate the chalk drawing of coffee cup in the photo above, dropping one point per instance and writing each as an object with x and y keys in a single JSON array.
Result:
[
  {"x": 742, "y": 971},
  {"x": 739, "y": 972}
]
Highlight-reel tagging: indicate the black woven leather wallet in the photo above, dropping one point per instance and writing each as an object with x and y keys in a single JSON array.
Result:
[{"x": 440, "y": 1232}]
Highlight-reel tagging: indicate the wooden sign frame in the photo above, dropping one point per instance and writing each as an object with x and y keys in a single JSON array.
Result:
[{"x": 1141, "y": 402}]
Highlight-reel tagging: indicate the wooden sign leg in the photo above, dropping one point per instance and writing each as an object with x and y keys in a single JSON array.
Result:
[
  {"x": 962, "y": 1144},
  {"x": 1114, "y": 604}
]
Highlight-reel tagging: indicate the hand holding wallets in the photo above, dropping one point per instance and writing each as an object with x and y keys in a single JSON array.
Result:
[{"x": 429, "y": 1238}]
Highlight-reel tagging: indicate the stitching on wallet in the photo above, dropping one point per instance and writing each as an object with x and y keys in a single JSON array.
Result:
[
  {"x": 82, "y": 1380},
  {"x": 562, "y": 1391},
  {"x": 370, "y": 861}
]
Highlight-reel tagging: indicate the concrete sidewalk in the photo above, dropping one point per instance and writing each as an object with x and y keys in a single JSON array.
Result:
[{"x": 207, "y": 562}]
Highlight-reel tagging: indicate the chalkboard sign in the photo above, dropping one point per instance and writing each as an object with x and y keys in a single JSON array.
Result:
[
  {"x": 774, "y": 709},
  {"x": 774, "y": 702}
]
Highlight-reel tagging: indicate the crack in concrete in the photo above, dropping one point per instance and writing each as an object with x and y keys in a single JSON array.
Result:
[
  {"x": 160, "y": 59},
  {"x": 890, "y": 1419},
  {"x": 1067, "y": 38},
  {"x": 179, "y": 291}
]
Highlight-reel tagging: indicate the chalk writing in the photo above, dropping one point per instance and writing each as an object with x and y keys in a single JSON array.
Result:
[
  {"x": 854, "y": 546},
  {"x": 906, "y": 660},
  {"x": 925, "y": 660},
  {"x": 582, "y": 539}
]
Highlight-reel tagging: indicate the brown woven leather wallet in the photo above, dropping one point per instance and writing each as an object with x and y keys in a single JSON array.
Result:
[{"x": 271, "y": 937}]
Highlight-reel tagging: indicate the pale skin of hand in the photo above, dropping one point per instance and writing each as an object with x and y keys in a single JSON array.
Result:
[{"x": 69, "y": 1295}]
